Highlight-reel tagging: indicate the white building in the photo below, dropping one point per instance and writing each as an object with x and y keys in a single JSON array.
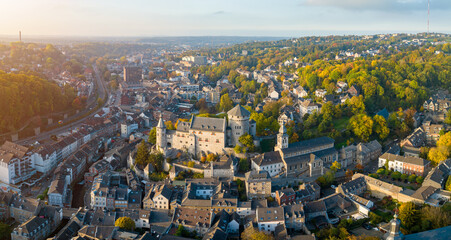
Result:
[
  {"x": 270, "y": 162},
  {"x": 320, "y": 93},
  {"x": 127, "y": 129},
  {"x": 269, "y": 218},
  {"x": 16, "y": 163},
  {"x": 308, "y": 107}
]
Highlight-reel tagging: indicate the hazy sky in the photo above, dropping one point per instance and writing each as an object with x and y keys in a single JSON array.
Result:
[{"x": 220, "y": 17}]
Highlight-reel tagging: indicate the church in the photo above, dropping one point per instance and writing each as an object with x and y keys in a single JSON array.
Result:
[{"x": 203, "y": 135}]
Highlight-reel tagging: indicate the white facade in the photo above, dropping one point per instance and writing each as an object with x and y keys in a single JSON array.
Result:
[
  {"x": 127, "y": 129},
  {"x": 395, "y": 165},
  {"x": 274, "y": 95},
  {"x": 272, "y": 169}
]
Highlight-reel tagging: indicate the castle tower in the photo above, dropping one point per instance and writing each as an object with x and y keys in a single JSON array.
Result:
[
  {"x": 282, "y": 138},
  {"x": 395, "y": 229},
  {"x": 161, "y": 135},
  {"x": 238, "y": 123}
]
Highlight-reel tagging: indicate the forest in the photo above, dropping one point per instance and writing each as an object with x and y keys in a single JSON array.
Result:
[{"x": 23, "y": 96}]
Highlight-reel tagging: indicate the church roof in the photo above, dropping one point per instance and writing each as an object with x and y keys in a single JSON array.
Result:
[
  {"x": 239, "y": 111},
  {"x": 208, "y": 124}
]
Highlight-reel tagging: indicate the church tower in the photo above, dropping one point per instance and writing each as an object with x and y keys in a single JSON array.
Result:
[
  {"x": 282, "y": 138},
  {"x": 161, "y": 135},
  {"x": 395, "y": 229}
]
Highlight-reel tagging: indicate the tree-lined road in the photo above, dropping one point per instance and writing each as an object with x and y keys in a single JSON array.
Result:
[{"x": 102, "y": 94}]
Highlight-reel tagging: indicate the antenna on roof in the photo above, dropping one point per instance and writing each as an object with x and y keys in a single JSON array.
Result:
[{"x": 429, "y": 1}]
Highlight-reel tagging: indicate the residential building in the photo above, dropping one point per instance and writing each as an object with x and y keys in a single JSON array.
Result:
[
  {"x": 193, "y": 219},
  {"x": 404, "y": 164},
  {"x": 285, "y": 196},
  {"x": 269, "y": 218},
  {"x": 308, "y": 107},
  {"x": 270, "y": 162},
  {"x": 258, "y": 184},
  {"x": 16, "y": 163},
  {"x": 35, "y": 228}
]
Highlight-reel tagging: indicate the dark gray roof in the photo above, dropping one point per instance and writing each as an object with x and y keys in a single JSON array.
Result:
[
  {"x": 424, "y": 192},
  {"x": 316, "y": 206},
  {"x": 268, "y": 158},
  {"x": 270, "y": 214},
  {"x": 208, "y": 124},
  {"x": 239, "y": 111},
  {"x": 308, "y": 144},
  {"x": 436, "y": 234}
]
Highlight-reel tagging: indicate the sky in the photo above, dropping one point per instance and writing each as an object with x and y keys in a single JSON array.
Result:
[{"x": 288, "y": 18}]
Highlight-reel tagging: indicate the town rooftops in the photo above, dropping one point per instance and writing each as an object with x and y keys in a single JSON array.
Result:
[
  {"x": 239, "y": 111},
  {"x": 16, "y": 149},
  {"x": 270, "y": 214},
  {"x": 268, "y": 158},
  {"x": 257, "y": 176},
  {"x": 192, "y": 217},
  {"x": 315, "y": 206},
  {"x": 32, "y": 224},
  {"x": 408, "y": 159},
  {"x": 424, "y": 192},
  {"x": 308, "y": 144},
  {"x": 208, "y": 124}
]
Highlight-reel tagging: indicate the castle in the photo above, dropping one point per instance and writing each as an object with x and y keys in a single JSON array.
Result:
[{"x": 206, "y": 135}]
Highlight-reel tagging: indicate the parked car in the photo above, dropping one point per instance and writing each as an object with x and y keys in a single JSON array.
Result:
[{"x": 367, "y": 226}]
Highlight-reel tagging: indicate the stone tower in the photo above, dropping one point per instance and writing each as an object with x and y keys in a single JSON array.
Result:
[
  {"x": 161, "y": 135},
  {"x": 395, "y": 229},
  {"x": 238, "y": 123},
  {"x": 282, "y": 138}
]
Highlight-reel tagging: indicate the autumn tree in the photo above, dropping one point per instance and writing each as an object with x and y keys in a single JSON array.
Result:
[
  {"x": 125, "y": 223},
  {"x": 142, "y": 154},
  {"x": 362, "y": 126},
  {"x": 442, "y": 151},
  {"x": 153, "y": 136},
  {"x": 408, "y": 214},
  {"x": 252, "y": 233},
  {"x": 225, "y": 103},
  {"x": 380, "y": 127},
  {"x": 335, "y": 166}
]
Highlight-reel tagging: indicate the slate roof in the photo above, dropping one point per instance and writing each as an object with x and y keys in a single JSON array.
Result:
[
  {"x": 208, "y": 124},
  {"x": 315, "y": 206},
  {"x": 239, "y": 111},
  {"x": 268, "y": 158},
  {"x": 270, "y": 214},
  {"x": 33, "y": 224},
  {"x": 308, "y": 144},
  {"x": 424, "y": 192},
  {"x": 408, "y": 159}
]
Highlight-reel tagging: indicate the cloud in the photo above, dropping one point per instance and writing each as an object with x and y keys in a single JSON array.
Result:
[
  {"x": 379, "y": 5},
  {"x": 219, "y": 12}
]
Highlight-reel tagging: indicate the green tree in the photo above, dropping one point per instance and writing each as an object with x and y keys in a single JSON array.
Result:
[
  {"x": 156, "y": 159},
  {"x": 238, "y": 149},
  {"x": 243, "y": 165},
  {"x": 362, "y": 126},
  {"x": 5, "y": 231},
  {"x": 419, "y": 179},
  {"x": 225, "y": 103},
  {"x": 380, "y": 127},
  {"x": 248, "y": 141},
  {"x": 153, "y": 136},
  {"x": 408, "y": 214},
  {"x": 448, "y": 183},
  {"x": 412, "y": 178},
  {"x": 251, "y": 233},
  {"x": 142, "y": 154},
  {"x": 448, "y": 117},
  {"x": 404, "y": 176},
  {"x": 125, "y": 223},
  {"x": 436, "y": 216},
  {"x": 396, "y": 175}
]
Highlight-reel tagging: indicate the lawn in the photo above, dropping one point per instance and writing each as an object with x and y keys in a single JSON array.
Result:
[
  {"x": 341, "y": 123},
  {"x": 387, "y": 216}
]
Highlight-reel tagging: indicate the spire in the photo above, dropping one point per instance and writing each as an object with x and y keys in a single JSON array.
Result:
[
  {"x": 283, "y": 129},
  {"x": 161, "y": 122},
  {"x": 395, "y": 229}
]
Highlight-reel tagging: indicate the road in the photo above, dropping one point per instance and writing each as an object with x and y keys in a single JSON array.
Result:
[{"x": 102, "y": 93}]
